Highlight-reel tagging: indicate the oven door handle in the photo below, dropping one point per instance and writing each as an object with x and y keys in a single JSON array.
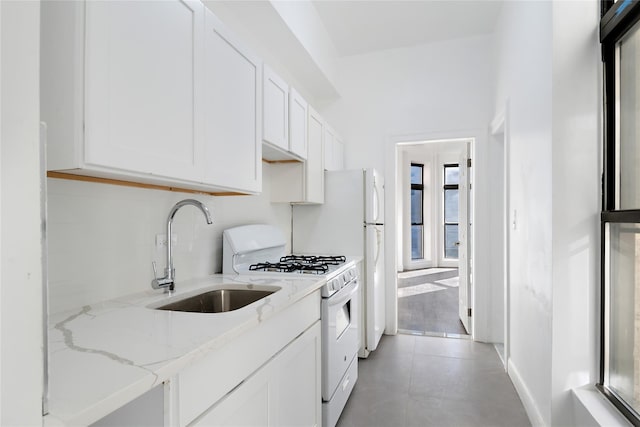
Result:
[{"x": 338, "y": 299}]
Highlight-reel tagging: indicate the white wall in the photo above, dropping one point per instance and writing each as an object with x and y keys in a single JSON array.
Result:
[
  {"x": 524, "y": 78},
  {"x": 102, "y": 237},
  {"x": 576, "y": 201},
  {"x": 21, "y": 354},
  {"x": 441, "y": 90},
  {"x": 548, "y": 56}
]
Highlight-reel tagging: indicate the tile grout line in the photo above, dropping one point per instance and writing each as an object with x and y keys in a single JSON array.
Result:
[{"x": 406, "y": 407}]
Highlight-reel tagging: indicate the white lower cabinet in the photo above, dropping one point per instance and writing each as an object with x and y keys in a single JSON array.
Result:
[
  {"x": 276, "y": 363},
  {"x": 284, "y": 392}
]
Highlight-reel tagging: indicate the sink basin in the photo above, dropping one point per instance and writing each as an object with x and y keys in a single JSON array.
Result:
[{"x": 218, "y": 300}]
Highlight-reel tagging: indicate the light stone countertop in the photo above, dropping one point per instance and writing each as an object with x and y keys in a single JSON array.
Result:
[{"x": 104, "y": 355}]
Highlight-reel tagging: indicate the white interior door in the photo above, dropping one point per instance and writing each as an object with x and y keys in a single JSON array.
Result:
[{"x": 464, "y": 290}]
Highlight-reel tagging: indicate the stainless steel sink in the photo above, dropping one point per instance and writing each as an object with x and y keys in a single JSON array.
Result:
[{"x": 218, "y": 300}]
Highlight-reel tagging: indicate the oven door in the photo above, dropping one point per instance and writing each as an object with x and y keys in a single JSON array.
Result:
[{"x": 339, "y": 336}]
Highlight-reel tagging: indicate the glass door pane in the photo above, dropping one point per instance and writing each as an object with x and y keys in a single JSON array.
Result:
[
  {"x": 417, "y": 211},
  {"x": 416, "y": 242},
  {"x": 451, "y": 201},
  {"x": 451, "y": 206},
  {"x": 451, "y": 241}
]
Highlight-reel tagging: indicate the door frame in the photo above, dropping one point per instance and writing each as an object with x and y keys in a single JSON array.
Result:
[
  {"x": 499, "y": 126},
  {"x": 394, "y": 223}
]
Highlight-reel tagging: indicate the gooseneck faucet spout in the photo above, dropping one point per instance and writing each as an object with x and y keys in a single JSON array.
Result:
[{"x": 168, "y": 281}]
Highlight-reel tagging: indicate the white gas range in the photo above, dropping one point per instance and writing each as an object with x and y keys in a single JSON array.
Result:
[{"x": 260, "y": 249}]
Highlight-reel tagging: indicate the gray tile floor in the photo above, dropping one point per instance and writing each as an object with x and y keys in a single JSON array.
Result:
[
  {"x": 431, "y": 381},
  {"x": 433, "y": 307}
]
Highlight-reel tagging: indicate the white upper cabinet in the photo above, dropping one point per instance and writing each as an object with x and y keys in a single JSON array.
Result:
[
  {"x": 294, "y": 182},
  {"x": 143, "y": 106},
  {"x": 298, "y": 116},
  {"x": 333, "y": 150},
  {"x": 275, "y": 123},
  {"x": 233, "y": 102},
  {"x": 314, "y": 167},
  {"x": 338, "y": 154},
  {"x": 142, "y": 92}
]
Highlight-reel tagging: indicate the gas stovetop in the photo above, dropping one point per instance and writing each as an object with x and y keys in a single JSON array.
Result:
[{"x": 305, "y": 264}]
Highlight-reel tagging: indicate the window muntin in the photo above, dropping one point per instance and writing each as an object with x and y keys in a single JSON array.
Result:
[{"x": 417, "y": 211}]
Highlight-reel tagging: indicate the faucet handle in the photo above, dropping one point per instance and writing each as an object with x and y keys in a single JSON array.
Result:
[
  {"x": 165, "y": 283},
  {"x": 155, "y": 272}
]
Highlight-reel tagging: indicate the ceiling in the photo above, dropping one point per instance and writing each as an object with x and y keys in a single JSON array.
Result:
[{"x": 359, "y": 26}]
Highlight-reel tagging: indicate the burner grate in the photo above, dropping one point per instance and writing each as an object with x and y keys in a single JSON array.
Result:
[
  {"x": 315, "y": 259},
  {"x": 273, "y": 266},
  {"x": 300, "y": 264}
]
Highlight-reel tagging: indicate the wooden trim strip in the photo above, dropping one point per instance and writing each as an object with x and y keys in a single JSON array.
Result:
[
  {"x": 74, "y": 177},
  {"x": 281, "y": 161}
]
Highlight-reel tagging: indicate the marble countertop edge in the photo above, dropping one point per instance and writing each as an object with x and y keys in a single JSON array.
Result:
[{"x": 61, "y": 408}]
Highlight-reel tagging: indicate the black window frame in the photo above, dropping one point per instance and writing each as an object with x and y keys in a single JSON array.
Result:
[
  {"x": 421, "y": 223},
  {"x": 616, "y": 20},
  {"x": 444, "y": 221}
]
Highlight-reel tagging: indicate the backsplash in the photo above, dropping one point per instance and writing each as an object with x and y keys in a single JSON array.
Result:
[{"x": 101, "y": 238}]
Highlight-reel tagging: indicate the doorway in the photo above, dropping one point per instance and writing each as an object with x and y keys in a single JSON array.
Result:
[{"x": 434, "y": 279}]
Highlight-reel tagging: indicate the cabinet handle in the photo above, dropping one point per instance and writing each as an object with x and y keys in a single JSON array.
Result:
[{"x": 346, "y": 382}]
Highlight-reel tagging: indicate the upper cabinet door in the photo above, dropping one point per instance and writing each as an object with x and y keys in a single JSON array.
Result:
[
  {"x": 233, "y": 111},
  {"x": 143, "y": 106},
  {"x": 275, "y": 124},
  {"x": 338, "y": 154},
  {"x": 314, "y": 166},
  {"x": 329, "y": 138},
  {"x": 298, "y": 108}
]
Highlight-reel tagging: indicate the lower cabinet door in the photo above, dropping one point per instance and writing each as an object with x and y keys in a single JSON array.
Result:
[
  {"x": 297, "y": 399},
  {"x": 248, "y": 405},
  {"x": 284, "y": 392}
]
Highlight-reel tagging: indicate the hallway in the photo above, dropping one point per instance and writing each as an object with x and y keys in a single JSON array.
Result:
[
  {"x": 430, "y": 381},
  {"x": 428, "y": 302}
]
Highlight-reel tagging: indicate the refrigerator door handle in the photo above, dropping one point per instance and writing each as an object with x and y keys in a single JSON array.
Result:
[
  {"x": 376, "y": 201},
  {"x": 378, "y": 240}
]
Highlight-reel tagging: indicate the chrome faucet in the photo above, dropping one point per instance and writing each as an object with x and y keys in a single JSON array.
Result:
[{"x": 168, "y": 281}]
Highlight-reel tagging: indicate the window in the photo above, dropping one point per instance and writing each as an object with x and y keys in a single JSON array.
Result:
[
  {"x": 620, "y": 218},
  {"x": 417, "y": 214},
  {"x": 451, "y": 181}
]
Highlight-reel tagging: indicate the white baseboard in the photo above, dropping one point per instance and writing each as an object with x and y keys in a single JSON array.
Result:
[{"x": 525, "y": 396}]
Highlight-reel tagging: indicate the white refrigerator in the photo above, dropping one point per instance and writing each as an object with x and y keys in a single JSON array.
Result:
[{"x": 351, "y": 223}]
